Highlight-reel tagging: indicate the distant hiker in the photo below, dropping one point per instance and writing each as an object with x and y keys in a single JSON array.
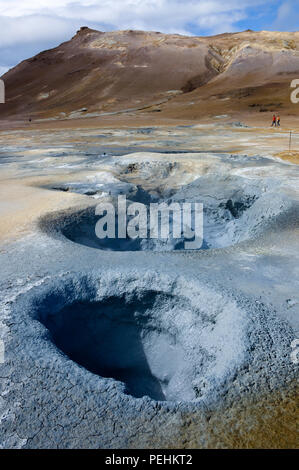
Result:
[
  {"x": 274, "y": 120},
  {"x": 278, "y": 121}
]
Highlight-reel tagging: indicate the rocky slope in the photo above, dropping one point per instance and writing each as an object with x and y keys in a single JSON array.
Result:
[{"x": 178, "y": 76}]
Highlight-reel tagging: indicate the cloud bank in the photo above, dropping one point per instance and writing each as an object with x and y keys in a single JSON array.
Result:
[{"x": 29, "y": 26}]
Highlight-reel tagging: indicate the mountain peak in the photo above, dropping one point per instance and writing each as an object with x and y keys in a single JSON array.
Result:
[
  {"x": 86, "y": 30},
  {"x": 111, "y": 72}
]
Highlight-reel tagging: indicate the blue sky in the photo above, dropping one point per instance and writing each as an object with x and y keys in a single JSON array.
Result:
[{"x": 30, "y": 26}]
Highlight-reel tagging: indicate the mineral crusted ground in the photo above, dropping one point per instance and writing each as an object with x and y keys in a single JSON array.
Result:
[{"x": 152, "y": 347}]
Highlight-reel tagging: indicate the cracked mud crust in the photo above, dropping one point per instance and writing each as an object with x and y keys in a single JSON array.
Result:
[{"x": 214, "y": 326}]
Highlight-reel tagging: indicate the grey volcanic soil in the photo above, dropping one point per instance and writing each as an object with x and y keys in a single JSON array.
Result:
[{"x": 156, "y": 347}]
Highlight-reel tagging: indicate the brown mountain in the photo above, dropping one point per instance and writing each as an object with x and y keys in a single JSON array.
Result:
[{"x": 178, "y": 76}]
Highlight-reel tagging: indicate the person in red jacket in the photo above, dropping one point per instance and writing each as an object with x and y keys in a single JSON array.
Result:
[{"x": 274, "y": 120}]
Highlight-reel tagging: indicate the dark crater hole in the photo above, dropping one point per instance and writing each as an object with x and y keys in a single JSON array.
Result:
[{"x": 118, "y": 337}]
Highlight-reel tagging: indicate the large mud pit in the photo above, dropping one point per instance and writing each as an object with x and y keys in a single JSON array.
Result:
[
  {"x": 81, "y": 228},
  {"x": 89, "y": 334},
  {"x": 157, "y": 341},
  {"x": 234, "y": 209}
]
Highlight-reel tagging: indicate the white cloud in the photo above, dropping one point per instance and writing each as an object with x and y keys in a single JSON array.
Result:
[
  {"x": 33, "y": 28},
  {"x": 164, "y": 15},
  {"x": 287, "y": 16},
  {"x": 3, "y": 69},
  {"x": 31, "y": 25}
]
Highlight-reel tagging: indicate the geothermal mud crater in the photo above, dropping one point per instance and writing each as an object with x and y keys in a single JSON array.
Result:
[
  {"x": 236, "y": 208},
  {"x": 169, "y": 342},
  {"x": 198, "y": 332}
]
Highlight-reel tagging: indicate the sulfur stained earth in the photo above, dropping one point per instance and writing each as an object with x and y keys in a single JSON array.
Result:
[{"x": 148, "y": 346}]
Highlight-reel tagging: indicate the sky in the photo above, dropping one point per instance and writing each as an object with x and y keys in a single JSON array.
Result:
[{"x": 30, "y": 26}]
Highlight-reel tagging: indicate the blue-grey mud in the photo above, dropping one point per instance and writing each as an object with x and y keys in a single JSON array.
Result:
[{"x": 148, "y": 346}]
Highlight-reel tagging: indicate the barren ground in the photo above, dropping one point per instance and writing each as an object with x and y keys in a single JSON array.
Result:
[{"x": 210, "y": 338}]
